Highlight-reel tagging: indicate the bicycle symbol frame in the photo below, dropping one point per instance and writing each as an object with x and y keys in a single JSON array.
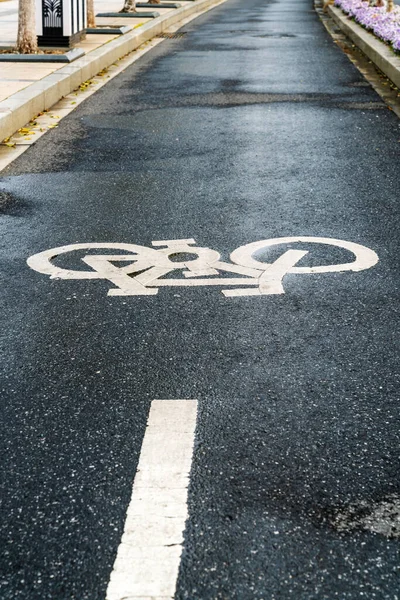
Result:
[{"x": 144, "y": 269}]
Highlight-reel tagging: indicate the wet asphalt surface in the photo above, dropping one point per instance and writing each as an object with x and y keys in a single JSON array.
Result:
[{"x": 254, "y": 125}]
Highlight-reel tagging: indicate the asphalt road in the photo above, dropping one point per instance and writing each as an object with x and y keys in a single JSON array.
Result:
[{"x": 253, "y": 125}]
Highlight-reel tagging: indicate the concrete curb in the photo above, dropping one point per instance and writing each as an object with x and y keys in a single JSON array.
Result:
[
  {"x": 18, "y": 109},
  {"x": 68, "y": 57},
  {"x": 380, "y": 54}
]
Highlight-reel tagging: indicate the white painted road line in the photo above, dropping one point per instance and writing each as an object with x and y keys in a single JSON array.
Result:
[
  {"x": 149, "y": 555},
  {"x": 146, "y": 268},
  {"x": 270, "y": 282}
]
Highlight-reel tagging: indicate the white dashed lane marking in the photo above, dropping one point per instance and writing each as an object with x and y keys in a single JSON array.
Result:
[{"x": 149, "y": 554}]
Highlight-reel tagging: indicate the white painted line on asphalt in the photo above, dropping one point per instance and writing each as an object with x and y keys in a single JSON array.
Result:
[
  {"x": 270, "y": 282},
  {"x": 364, "y": 257},
  {"x": 144, "y": 274},
  {"x": 149, "y": 555},
  {"x": 198, "y": 282}
]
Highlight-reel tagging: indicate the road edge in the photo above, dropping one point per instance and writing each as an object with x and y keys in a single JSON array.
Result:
[
  {"x": 378, "y": 52},
  {"x": 21, "y": 107}
]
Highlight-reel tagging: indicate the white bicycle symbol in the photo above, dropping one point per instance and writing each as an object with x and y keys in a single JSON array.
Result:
[{"x": 146, "y": 268}]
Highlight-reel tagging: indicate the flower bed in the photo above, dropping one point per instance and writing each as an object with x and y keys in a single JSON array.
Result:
[{"x": 385, "y": 25}]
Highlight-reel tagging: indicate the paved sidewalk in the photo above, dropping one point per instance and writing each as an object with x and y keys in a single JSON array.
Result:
[{"x": 17, "y": 76}]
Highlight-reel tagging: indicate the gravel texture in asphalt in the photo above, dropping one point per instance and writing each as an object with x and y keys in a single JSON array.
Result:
[{"x": 253, "y": 125}]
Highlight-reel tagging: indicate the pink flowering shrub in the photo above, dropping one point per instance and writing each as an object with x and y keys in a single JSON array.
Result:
[{"x": 385, "y": 25}]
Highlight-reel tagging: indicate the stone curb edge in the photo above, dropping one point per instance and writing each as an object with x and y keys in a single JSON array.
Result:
[
  {"x": 68, "y": 57},
  {"x": 21, "y": 107},
  {"x": 380, "y": 54}
]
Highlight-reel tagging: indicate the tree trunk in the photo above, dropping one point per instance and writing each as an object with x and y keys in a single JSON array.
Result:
[
  {"x": 129, "y": 6},
  {"x": 91, "y": 21},
  {"x": 27, "y": 39},
  {"x": 327, "y": 3},
  {"x": 390, "y": 5}
]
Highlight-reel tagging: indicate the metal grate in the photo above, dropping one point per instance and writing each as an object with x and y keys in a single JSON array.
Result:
[{"x": 172, "y": 36}]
